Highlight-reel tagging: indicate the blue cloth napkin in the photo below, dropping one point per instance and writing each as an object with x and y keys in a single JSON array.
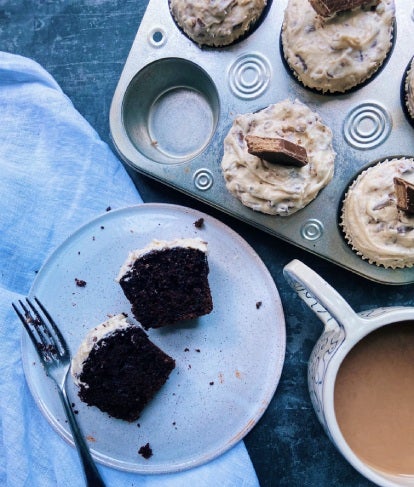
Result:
[{"x": 55, "y": 175}]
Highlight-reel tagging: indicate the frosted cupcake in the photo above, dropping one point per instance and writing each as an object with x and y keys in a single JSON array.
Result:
[
  {"x": 409, "y": 90},
  {"x": 216, "y": 23},
  {"x": 336, "y": 53},
  {"x": 374, "y": 226},
  {"x": 278, "y": 189}
]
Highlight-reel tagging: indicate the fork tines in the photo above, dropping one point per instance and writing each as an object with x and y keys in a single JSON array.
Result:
[{"x": 47, "y": 340}]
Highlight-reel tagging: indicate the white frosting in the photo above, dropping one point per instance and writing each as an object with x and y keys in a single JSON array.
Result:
[
  {"x": 216, "y": 22},
  {"x": 192, "y": 243},
  {"x": 409, "y": 89},
  {"x": 373, "y": 225},
  {"x": 339, "y": 52},
  {"x": 93, "y": 337},
  {"x": 273, "y": 188}
]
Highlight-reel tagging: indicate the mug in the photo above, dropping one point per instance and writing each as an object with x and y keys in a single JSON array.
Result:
[{"x": 343, "y": 329}]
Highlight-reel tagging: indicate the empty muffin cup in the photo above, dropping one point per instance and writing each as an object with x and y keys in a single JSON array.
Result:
[{"x": 170, "y": 110}]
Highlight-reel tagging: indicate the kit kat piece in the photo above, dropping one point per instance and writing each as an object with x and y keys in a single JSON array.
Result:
[
  {"x": 277, "y": 151},
  {"x": 404, "y": 191},
  {"x": 327, "y": 8}
]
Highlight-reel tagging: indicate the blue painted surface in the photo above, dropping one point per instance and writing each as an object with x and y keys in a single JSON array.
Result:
[{"x": 84, "y": 45}]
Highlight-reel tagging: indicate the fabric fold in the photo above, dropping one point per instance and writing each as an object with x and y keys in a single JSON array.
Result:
[{"x": 56, "y": 175}]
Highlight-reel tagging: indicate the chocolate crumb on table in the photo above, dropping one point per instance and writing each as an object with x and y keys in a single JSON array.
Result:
[
  {"x": 258, "y": 304},
  {"x": 145, "y": 451},
  {"x": 80, "y": 282}
]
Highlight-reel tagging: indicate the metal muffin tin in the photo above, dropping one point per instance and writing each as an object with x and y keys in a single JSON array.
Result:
[{"x": 175, "y": 102}]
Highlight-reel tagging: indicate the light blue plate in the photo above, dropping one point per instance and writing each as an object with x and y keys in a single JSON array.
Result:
[{"x": 228, "y": 363}]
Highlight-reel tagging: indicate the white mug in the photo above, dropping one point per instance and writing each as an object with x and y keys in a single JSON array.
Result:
[{"x": 343, "y": 329}]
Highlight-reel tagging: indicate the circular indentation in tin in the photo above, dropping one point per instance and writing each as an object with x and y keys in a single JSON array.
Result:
[
  {"x": 249, "y": 75},
  {"x": 203, "y": 179},
  {"x": 367, "y": 125},
  {"x": 170, "y": 110},
  {"x": 194, "y": 130},
  {"x": 157, "y": 37},
  {"x": 312, "y": 229}
]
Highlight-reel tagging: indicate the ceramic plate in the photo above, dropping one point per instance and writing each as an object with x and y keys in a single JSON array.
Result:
[{"x": 228, "y": 363}]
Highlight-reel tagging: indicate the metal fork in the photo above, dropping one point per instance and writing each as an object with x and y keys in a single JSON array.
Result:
[{"x": 55, "y": 357}]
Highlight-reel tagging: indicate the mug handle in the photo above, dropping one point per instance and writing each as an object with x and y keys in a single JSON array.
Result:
[{"x": 330, "y": 307}]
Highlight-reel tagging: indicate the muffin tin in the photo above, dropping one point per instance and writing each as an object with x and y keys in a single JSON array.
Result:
[{"x": 175, "y": 102}]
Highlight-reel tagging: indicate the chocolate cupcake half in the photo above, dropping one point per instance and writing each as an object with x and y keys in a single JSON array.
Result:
[{"x": 119, "y": 369}]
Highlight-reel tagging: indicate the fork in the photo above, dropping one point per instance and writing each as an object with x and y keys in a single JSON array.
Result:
[{"x": 55, "y": 357}]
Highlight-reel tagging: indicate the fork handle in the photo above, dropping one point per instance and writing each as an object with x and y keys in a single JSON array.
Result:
[{"x": 92, "y": 475}]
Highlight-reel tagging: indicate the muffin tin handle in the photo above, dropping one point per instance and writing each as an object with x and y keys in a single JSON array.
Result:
[{"x": 329, "y": 306}]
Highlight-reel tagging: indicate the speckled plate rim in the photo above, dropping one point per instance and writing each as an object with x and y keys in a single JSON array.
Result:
[{"x": 243, "y": 357}]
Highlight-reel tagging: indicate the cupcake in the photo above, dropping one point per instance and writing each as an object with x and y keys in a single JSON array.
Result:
[
  {"x": 278, "y": 188},
  {"x": 334, "y": 54},
  {"x": 216, "y": 23},
  {"x": 409, "y": 90},
  {"x": 374, "y": 225}
]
